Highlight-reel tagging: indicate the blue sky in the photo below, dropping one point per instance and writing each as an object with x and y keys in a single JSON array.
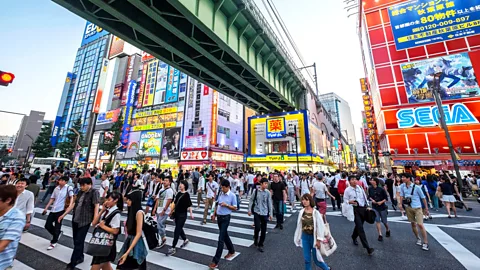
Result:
[{"x": 40, "y": 40}]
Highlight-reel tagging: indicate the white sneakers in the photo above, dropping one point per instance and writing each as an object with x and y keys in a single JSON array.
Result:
[
  {"x": 52, "y": 246},
  {"x": 425, "y": 247},
  {"x": 419, "y": 242}
]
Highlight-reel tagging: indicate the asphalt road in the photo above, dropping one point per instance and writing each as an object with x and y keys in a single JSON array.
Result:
[{"x": 453, "y": 245}]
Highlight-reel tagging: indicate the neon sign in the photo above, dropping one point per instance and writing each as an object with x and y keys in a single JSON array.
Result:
[{"x": 458, "y": 114}]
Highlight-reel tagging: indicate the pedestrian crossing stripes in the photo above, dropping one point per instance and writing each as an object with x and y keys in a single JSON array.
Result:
[{"x": 196, "y": 255}]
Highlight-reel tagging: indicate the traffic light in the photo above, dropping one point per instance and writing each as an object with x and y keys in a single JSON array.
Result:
[
  {"x": 6, "y": 78},
  {"x": 10, "y": 150}
]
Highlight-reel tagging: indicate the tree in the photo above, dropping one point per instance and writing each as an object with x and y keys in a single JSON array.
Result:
[
  {"x": 111, "y": 138},
  {"x": 68, "y": 146},
  {"x": 42, "y": 146}
]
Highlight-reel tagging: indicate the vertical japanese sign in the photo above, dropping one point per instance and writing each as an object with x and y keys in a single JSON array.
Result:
[
  {"x": 55, "y": 130},
  {"x": 213, "y": 138},
  {"x": 161, "y": 84},
  {"x": 275, "y": 128},
  {"x": 142, "y": 86},
  {"x": 127, "y": 115},
  {"x": 172, "y": 85},
  {"x": 150, "y": 83},
  {"x": 421, "y": 22},
  {"x": 128, "y": 76},
  {"x": 101, "y": 84}
]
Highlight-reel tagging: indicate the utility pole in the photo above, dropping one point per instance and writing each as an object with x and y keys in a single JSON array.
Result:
[
  {"x": 90, "y": 139},
  {"x": 296, "y": 147},
  {"x": 443, "y": 125}
]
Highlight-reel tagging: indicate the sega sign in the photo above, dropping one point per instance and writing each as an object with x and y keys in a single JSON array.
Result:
[
  {"x": 458, "y": 114},
  {"x": 92, "y": 32}
]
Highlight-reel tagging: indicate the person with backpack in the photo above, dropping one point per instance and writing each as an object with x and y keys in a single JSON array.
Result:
[
  {"x": 109, "y": 220},
  {"x": 61, "y": 199},
  {"x": 85, "y": 211},
  {"x": 333, "y": 186},
  {"x": 260, "y": 204},
  {"x": 212, "y": 189},
  {"x": 133, "y": 254},
  {"x": 342, "y": 185},
  {"x": 162, "y": 208}
]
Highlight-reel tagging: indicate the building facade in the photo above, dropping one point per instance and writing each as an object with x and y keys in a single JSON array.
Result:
[
  {"x": 339, "y": 109},
  {"x": 27, "y": 134},
  {"x": 402, "y": 51},
  {"x": 7, "y": 141}
]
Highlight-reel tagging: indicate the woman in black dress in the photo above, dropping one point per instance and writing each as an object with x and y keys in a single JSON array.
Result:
[
  {"x": 133, "y": 254},
  {"x": 182, "y": 205},
  {"x": 110, "y": 222}
]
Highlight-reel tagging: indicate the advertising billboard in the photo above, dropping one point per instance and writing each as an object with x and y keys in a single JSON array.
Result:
[
  {"x": 457, "y": 78},
  {"x": 214, "y": 124},
  {"x": 127, "y": 115},
  {"x": 150, "y": 143},
  {"x": 108, "y": 117},
  {"x": 133, "y": 146},
  {"x": 161, "y": 86},
  {"x": 116, "y": 47},
  {"x": 172, "y": 85},
  {"x": 259, "y": 126},
  {"x": 55, "y": 130},
  {"x": 422, "y": 22},
  {"x": 150, "y": 82},
  {"x": 92, "y": 32},
  {"x": 142, "y": 86},
  {"x": 171, "y": 142},
  {"x": 101, "y": 84},
  {"x": 195, "y": 141}
]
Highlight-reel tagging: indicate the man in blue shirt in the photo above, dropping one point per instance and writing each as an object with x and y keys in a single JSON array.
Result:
[
  {"x": 411, "y": 196},
  {"x": 226, "y": 203}
]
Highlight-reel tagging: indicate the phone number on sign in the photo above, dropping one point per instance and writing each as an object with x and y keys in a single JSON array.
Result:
[{"x": 440, "y": 24}]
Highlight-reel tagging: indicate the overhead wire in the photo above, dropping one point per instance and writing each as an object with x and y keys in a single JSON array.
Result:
[{"x": 274, "y": 24}]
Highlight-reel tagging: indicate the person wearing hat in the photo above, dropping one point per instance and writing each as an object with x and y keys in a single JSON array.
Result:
[{"x": 319, "y": 192}]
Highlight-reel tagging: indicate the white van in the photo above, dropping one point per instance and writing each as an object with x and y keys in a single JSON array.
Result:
[{"x": 49, "y": 163}]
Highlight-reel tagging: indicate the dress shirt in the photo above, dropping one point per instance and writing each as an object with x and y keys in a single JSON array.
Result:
[
  {"x": 60, "y": 195},
  {"x": 417, "y": 196},
  {"x": 230, "y": 199},
  {"x": 263, "y": 203},
  {"x": 25, "y": 202},
  {"x": 356, "y": 194}
]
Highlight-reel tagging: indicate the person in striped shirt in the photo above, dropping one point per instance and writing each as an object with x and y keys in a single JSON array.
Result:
[{"x": 12, "y": 222}]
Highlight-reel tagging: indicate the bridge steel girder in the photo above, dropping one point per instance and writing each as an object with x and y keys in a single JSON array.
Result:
[
  {"x": 147, "y": 38},
  {"x": 188, "y": 8}
]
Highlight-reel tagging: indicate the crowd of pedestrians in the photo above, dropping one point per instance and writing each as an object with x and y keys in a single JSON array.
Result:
[{"x": 93, "y": 199}]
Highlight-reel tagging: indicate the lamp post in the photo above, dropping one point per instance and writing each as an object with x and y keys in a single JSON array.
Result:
[
  {"x": 443, "y": 125},
  {"x": 294, "y": 135},
  {"x": 76, "y": 142},
  {"x": 327, "y": 135}
]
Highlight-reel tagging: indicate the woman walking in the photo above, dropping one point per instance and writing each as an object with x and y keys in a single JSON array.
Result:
[
  {"x": 179, "y": 213},
  {"x": 396, "y": 190},
  {"x": 431, "y": 184},
  {"x": 447, "y": 189},
  {"x": 133, "y": 254},
  {"x": 310, "y": 231},
  {"x": 110, "y": 222}
]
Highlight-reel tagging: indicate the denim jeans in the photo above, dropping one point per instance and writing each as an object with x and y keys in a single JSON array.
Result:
[
  {"x": 308, "y": 251},
  {"x": 278, "y": 210},
  {"x": 238, "y": 202},
  {"x": 434, "y": 200},
  {"x": 223, "y": 239},
  {"x": 161, "y": 223}
]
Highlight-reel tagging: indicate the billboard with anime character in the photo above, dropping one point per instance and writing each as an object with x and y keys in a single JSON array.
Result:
[{"x": 457, "y": 79}]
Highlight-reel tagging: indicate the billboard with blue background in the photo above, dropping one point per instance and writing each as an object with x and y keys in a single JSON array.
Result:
[
  {"x": 457, "y": 79},
  {"x": 420, "y": 22},
  {"x": 55, "y": 130},
  {"x": 127, "y": 115},
  {"x": 92, "y": 32}
]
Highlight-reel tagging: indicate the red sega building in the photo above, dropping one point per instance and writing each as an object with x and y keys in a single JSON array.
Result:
[{"x": 385, "y": 65}]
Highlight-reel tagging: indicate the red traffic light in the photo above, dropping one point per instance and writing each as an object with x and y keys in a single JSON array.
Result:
[
  {"x": 6, "y": 78},
  {"x": 10, "y": 150}
]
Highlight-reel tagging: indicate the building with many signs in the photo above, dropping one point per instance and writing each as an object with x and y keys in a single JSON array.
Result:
[{"x": 403, "y": 44}]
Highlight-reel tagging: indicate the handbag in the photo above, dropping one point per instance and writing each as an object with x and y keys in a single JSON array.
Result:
[
  {"x": 150, "y": 231},
  {"x": 327, "y": 245},
  {"x": 102, "y": 242},
  {"x": 172, "y": 207},
  {"x": 370, "y": 216}
]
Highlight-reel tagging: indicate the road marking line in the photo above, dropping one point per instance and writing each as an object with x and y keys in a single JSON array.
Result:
[
  {"x": 458, "y": 251},
  {"x": 17, "y": 265}
]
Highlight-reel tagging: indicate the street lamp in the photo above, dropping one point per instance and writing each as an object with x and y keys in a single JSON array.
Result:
[
  {"x": 77, "y": 141},
  {"x": 294, "y": 135},
  {"x": 441, "y": 117}
]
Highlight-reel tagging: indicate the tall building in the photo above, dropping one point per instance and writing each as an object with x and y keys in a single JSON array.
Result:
[
  {"x": 82, "y": 83},
  {"x": 402, "y": 49},
  {"x": 27, "y": 134},
  {"x": 7, "y": 141},
  {"x": 340, "y": 112}
]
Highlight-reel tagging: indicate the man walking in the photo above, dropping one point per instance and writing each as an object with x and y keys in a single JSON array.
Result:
[
  {"x": 261, "y": 206},
  {"x": 333, "y": 184},
  {"x": 279, "y": 196},
  {"x": 212, "y": 188},
  {"x": 85, "y": 210},
  {"x": 389, "y": 182},
  {"x": 59, "y": 196},
  {"x": 201, "y": 189},
  {"x": 25, "y": 201},
  {"x": 355, "y": 195},
  {"x": 411, "y": 196},
  {"x": 162, "y": 208},
  {"x": 227, "y": 202},
  {"x": 378, "y": 196},
  {"x": 52, "y": 182},
  {"x": 195, "y": 180},
  {"x": 45, "y": 179}
]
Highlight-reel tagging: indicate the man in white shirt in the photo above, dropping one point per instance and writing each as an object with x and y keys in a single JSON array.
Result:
[
  {"x": 25, "y": 201},
  {"x": 59, "y": 196},
  {"x": 234, "y": 187},
  {"x": 164, "y": 199},
  {"x": 355, "y": 195},
  {"x": 104, "y": 187},
  {"x": 250, "y": 182},
  {"x": 296, "y": 180},
  {"x": 212, "y": 189},
  {"x": 201, "y": 188}
]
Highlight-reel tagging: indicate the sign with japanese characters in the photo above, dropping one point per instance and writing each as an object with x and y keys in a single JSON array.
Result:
[
  {"x": 421, "y": 22},
  {"x": 457, "y": 79},
  {"x": 275, "y": 128}
]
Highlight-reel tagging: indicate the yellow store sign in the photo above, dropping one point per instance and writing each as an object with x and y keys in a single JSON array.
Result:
[
  {"x": 155, "y": 126},
  {"x": 279, "y": 158},
  {"x": 155, "y": 112}
]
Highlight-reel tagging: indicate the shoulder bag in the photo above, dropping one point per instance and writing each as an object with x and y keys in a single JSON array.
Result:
[
  {"x": 102, "y": 241},
  {"x": 327, "y": 245},
  {"x": 150, "y": 231},
  {"x": 172, "y": 207}
]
